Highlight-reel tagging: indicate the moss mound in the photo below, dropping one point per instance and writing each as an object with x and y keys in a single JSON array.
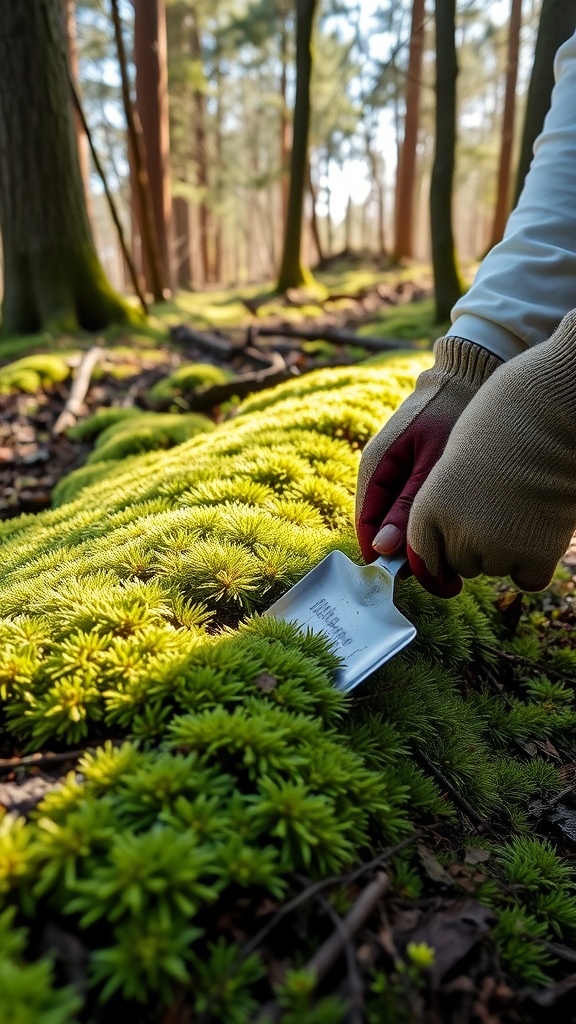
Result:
[
  {"x": 147, "y": 431},
  {"x": 223, "y": 766},
  {"x": 92, "y": 426},
  {"x": 186, "y": 378},
  {"x": 32, "y": 373}
]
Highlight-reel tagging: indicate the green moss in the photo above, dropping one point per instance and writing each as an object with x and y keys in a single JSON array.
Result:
[
  {"x": 32, "y": 373},
  {"x": 146, "y": 432},
  {"x": 185, "y": 379},
  {"x": 93, "y": 425},
  {"x": 132, "y": 612},
  {"x": 70, "y": 486}
]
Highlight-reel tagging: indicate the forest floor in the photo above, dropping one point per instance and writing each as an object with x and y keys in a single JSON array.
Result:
[
  {"x": 250, "y": 334},
  {"x": 397, "y": 306}
]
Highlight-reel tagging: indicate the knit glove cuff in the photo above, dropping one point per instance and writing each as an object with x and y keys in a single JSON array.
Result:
[
  {"x": 502, "y": 498},
  {"x": 398, "y": 459}
]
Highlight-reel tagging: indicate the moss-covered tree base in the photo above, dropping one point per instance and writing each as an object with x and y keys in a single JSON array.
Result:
[
  {"x": 60, "y": 291},
  {"x": 225, "y": 771}
]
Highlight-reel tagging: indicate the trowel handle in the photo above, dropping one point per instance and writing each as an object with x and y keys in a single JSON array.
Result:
[{"x": 393, "y": 563}]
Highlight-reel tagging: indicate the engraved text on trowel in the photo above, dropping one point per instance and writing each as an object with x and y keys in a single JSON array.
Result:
[{"x": 327, "y": 614}]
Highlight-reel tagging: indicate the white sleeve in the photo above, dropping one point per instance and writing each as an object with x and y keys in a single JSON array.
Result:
[{"x": 527, "y": 283}]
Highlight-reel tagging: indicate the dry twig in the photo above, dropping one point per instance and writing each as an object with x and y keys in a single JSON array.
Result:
[{"x": 73, "y": 407}]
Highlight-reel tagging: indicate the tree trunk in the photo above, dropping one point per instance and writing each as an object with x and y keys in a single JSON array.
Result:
[
  {"x": 508, "y": 118},
  {"x": 292, "y": 273},
  {"x": 182, "y": 254},
  {"x": 284, "y": 125},
  {"x": 218, "y": 161},
  {"x": 404, "y": 208},
  {"x": 81, "y": 137},
  {"x": 447, "y": 284},
  {"x": 53, "y": 279},
  {"x": 140, "y": 185},
  {"x": 557, "y": 23},
  {"x": 150, "y": 58},
  {"x": 201, "y": 156},
  {"x": 314, "y": 217}
]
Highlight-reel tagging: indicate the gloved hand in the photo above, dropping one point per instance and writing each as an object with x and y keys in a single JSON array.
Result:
[
  {"x": 502, "y": 498},
  {"x": 396, "y": 462}
]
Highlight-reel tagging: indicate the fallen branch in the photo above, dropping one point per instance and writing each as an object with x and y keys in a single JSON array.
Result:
[
  {"x": 208, "y": 342},
  {"x": 12, "y": 764},
  {"x": 243, "y": 385},
  {"x": 326, "y": 956},
  {"x": 338, "y": 336},
  {"x": 74, "y": 405},
  {"x": 355, "y": 990}
]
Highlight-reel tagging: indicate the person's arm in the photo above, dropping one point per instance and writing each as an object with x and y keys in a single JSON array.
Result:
[
  {"x": 501, "y": 500},
  {"x": 523, "y": 288},
  {"x": 527, "y": 282}
]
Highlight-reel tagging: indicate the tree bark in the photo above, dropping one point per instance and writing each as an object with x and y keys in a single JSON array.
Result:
[
  {"x": 201, "y": 156},
  {"x": 314, "y": 217},
  {"x": 53, "y": 279},
  {"x": 150, "y": 58},
  {"x": 284, "y": 125},
  {"x": 508, "y": 119},
  {"x": 141, "y": 199},
  {"x": 557, "y": 23},
  {"x": 182, "y": 253},
  {"x": 81, "y": 137},
  {"x": 447, "y": 283},
  {"x": 292, "y": 273},
  {"x": 404, "y": 208}
]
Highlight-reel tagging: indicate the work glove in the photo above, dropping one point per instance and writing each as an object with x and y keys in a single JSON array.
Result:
[
  {"x": 502, "y": 498},
  {"x": 396, "y": 462}
]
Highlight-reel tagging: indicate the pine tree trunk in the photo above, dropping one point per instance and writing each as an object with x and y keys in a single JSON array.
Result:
[
  {"x": 404, "y": 208},
  {"x": 81, "y": 138},
  {"x": 314, "y": 228},
  {"x": 292, "y": 273},
  {"x": 557, "y": 23},
  {"x": 508, "y": 118},
  {"x": 182, "y": 254},
  {"x": 201, "y": 159},
  {"x": 284, "y": 126},
  {"x": 150, "y": 58},
  {"x": 142, "y": 210},
  {"x": 447, "y": 284},
  {"x": 53, "y": 279}
]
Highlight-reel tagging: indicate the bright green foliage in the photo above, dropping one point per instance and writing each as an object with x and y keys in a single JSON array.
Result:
[
  {"x": 296, "y": 997},
  {"x": 169, "y": 391},
  {"x": 146, "y": 432},
  {"x": 107, "y": 416},
  {"x": 131, "y": 611},
  {"x": 27, "y": 995},
  {"x": 70, "y": 486},
  {"x": 32, "y": 373}
]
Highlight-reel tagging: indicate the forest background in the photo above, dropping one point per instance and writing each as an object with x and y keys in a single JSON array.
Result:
[
  {"x": 195, "y": 825},
  {"x": 384, "y": 133}
]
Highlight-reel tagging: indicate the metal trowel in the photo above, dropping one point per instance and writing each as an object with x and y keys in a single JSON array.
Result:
[{"x": 354, "y": 606}]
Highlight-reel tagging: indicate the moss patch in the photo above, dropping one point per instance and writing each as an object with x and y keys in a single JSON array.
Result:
[
  {"x": 224, "y": 764},
  {"x": 33, "y": 372}
]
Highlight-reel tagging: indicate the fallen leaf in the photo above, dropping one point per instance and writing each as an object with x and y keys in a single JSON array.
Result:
[
  {"x": 266, "y": 682},
  {"x": 452, "y": 933},
  {"x": 433, "y": 867},
  {"x": 473, "y": 855}
]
